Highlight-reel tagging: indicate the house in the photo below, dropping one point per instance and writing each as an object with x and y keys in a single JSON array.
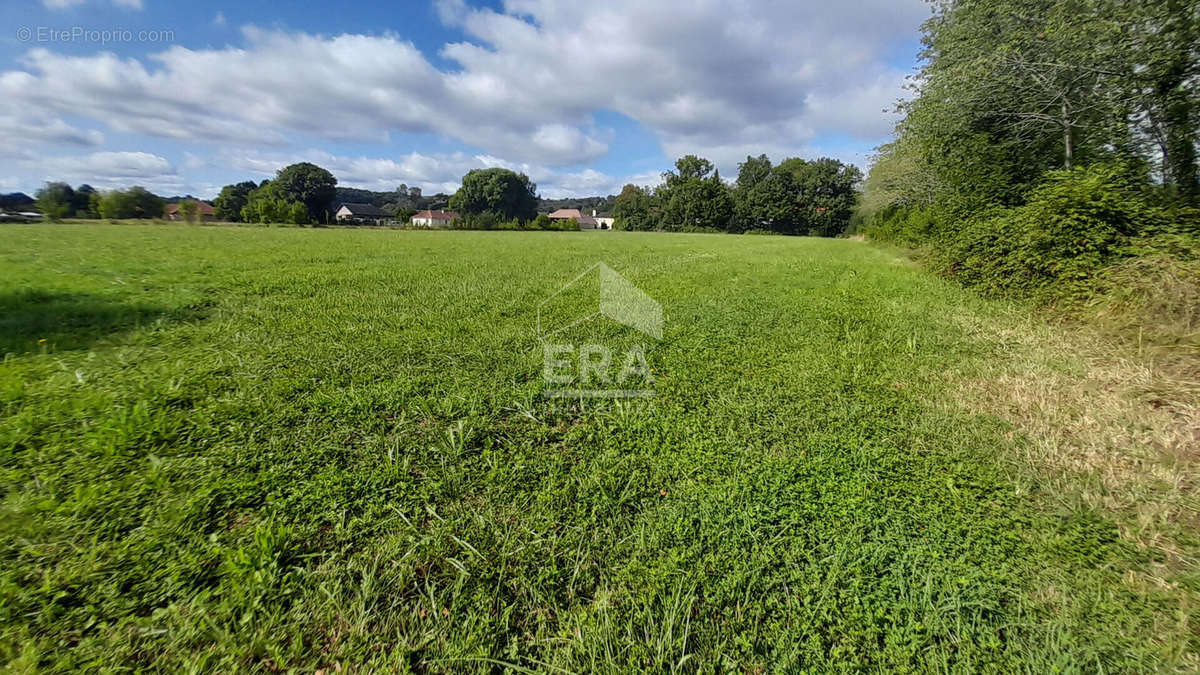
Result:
[
  {"x": 204, "y": 211},
  {"x": 363, "y": 214},
  {"x": 592, "y": 222},
  {"x": 434, "y": 218},
  {"x": 604, "y": 221}
]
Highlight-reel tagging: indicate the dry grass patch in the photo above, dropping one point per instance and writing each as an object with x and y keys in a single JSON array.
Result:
[{"x": 1099, "y": 423}]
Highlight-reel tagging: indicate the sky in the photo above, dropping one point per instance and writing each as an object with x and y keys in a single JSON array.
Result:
[{"x": 584, "y": 96}]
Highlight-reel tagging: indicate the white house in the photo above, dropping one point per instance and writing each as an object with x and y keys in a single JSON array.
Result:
[{"x": 434, "y": 218}]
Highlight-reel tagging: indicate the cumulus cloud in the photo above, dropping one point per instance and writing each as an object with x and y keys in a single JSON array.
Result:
[
  {"x": 441, "y": 172},
  {"x": 720, "y": 78},
  {"x": 112, "y": 170},
  {"x": 352, "y": 87},
  {"x": 19, "y": 128}
]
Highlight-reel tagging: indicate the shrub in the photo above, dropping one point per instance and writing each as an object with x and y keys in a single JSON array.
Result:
[{"x": 1073, "y": 225}]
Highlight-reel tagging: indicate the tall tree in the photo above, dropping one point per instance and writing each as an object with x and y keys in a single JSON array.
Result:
[
  {"x": 693, "y": 196},
  {"x": 499, "y": 192},
  {"x": 310, "y": 185},
  {"x": 83, "y": 202},
  {"x": 635, "y": 209},
  {"x": 56, "y": 200},
  {"x": 229, "y": 204}
]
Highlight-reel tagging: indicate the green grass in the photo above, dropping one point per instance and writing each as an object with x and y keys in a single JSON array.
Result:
[{"x": 259, "y": 449}]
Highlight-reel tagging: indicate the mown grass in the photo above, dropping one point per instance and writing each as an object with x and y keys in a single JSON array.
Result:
[{"x": 257, "y": 449}]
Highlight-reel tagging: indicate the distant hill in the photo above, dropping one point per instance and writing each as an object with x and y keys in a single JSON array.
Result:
[
  {"x": 392, "y": 199},
  {"x": 584, "y": 204},
  {"x": 15, "y": 200}
]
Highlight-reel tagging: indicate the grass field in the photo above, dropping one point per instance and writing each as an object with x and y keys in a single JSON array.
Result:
[{"x": 253, "y": 449}]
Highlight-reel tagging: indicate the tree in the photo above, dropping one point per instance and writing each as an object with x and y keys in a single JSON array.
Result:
[
  {"x": 757, "y": 196},
  {"x": 404, "y": 213},
  {"x": 500, "y": 192},
  {"x": 136, "y": 202},
  {"x": 229, "y": 203},
  {"x": 93, "y": 210},
  {"x": 694, "y": 197},
  {"x": 826, "y": 190},
  {"x": 310, "y": 185},
  {"x": 270, "y": 204},
  {"x": 56, "y": 201},
  {"x": 1161, "y": 40},
  {"x": 189, "y": 210},
  {"x": 635, "y": 209},
  {"x": 83, "y": 203}
]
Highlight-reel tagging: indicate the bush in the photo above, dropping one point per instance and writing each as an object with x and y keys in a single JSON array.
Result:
[
  {"x": 1073, "y": 225},
  {"x": 912, "y": 226}
]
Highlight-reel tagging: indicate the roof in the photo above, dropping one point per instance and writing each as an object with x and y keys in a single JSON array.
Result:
[
  {"x": 587, "y": 220},
  {"x": 567, "y": 213},
  {"x": 203, "y": 208},
  {"x": 437, "y": 215},
  {"x": 369, "y": 210}
]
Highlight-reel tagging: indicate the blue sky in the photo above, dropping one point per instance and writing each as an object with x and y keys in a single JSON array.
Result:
[{"x": 582, "y": 96}]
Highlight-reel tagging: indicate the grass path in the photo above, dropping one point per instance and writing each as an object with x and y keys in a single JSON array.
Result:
[{"x": 251, "y": 449}]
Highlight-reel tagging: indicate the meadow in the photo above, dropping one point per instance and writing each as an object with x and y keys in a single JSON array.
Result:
[{"x": 254, "y": 450}]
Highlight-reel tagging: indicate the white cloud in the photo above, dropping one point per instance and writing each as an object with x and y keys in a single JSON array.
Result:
[
  {"x": 719, "y": 78},
  {"x": 20, "y": 128},
  {"x": 431, "y": 172},
  {"x": 109, "y": 170},
  {"x": 219, "y": 19}
]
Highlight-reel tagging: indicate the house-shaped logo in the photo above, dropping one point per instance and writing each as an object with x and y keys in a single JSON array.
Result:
[
  {"x": 585, "y": 360},
  {"x": 618, "y": 300}
]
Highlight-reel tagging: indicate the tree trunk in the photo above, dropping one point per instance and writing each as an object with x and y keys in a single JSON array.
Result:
[{"x": 1068, "y": 137}]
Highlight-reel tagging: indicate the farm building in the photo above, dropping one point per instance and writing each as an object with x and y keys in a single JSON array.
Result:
[{"x": 363, "y": 214}]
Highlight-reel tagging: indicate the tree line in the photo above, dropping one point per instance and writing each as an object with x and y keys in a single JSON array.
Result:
[
  {"x": 59, "y": 200},
  {"x": 797, "y": 196},
  {"x": 1043, "y": 138}
]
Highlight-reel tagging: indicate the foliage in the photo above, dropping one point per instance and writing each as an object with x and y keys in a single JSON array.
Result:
[
  {"x": 189, "y": 210},
  {"x": 404, "y": 214},
  {"x": 693, "y": 196},
  {"x": 85, "y": 202},
  {"x": 229, "y": 203},
  {"x": 136, "y": 202},
  {"x": 271, "y": 450},
  {"x": 635, "y": 209},
  {"x": 269, "y": 203},
  {"x": 501, "y": 192},
  {"x": 797, "y": 197},
  {"x": 1011, "y": 94},
  {"x": 1073, "y": 225},
  {"x": 56, "y": 200},
  {"x": 310, "y": 185}
]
